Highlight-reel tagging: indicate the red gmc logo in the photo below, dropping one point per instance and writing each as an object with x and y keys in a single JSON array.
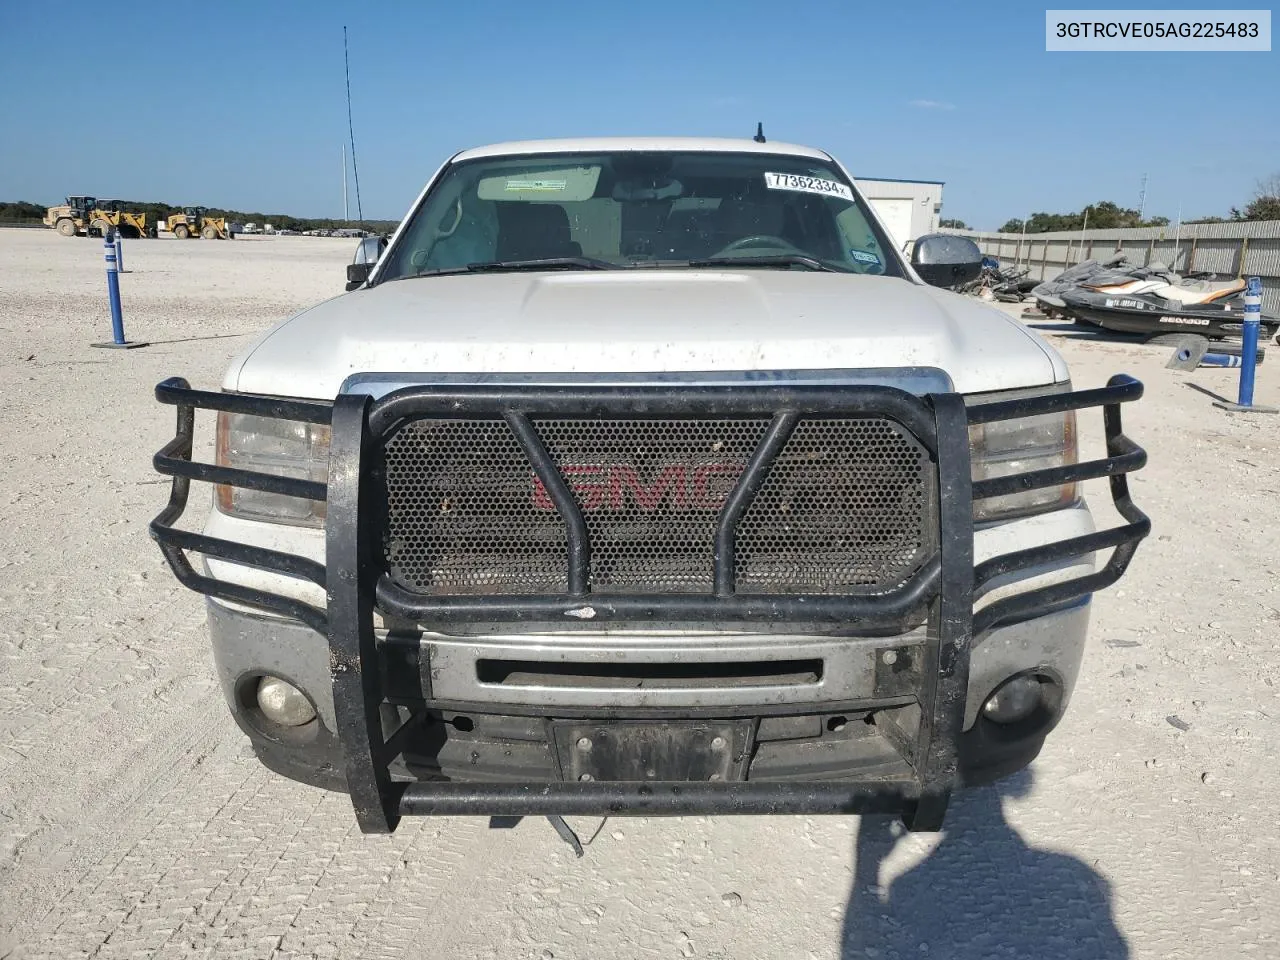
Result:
[{"x": 619, "y": 486}]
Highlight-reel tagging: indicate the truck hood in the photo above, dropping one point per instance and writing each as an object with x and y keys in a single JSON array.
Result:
[{"x": 643, "y": 321}]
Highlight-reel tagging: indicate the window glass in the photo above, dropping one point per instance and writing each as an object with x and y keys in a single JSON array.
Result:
[{"x": 633, "y": 209}]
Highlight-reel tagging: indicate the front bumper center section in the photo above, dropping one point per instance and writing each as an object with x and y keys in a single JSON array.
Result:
[{"x": 842, "y": 511}]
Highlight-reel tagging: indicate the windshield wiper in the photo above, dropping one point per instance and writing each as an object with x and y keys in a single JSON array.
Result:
[
  {"x": 591, "y": 263},
  {"x": 499, "y": 266},
  {"x": 768, "y": 260},
  {"x": 546, "y": 263}
]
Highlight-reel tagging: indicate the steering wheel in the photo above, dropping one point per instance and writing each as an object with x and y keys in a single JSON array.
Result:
[{"x": 758, "y": 240}]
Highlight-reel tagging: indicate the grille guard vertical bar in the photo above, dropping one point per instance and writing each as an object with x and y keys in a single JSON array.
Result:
[
  {"x": 946, "y": 670},
  {"x": 353, "y": 653},
  {"x": 725, "y": 554},
  {"x": 579, "y": 546}
]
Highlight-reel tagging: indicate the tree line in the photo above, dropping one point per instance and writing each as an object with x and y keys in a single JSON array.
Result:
[
  {"x": 1100, "y": 216},
  {"x": 1265, "y": 205},
  {"x": 23, "y": 212}
]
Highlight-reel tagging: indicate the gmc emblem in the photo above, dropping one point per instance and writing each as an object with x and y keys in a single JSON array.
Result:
[{"x": 619, "y": 486}]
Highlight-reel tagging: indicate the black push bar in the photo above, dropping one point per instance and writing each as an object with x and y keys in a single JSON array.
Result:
[{"x": 943, "y": 590}]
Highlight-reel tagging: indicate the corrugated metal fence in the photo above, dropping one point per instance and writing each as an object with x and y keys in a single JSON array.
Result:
[{"x": 1248, "y": 249}]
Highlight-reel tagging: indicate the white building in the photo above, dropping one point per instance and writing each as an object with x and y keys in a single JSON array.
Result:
[{"x": 908, "y": 208}]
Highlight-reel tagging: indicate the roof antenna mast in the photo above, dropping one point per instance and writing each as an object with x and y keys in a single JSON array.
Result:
[
  {"x": 759, "y": 137},
  {"x": 351, "y": 131}
]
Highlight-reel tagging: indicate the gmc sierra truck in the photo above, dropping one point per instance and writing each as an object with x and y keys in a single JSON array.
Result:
[{"x": 644, "y": 476}]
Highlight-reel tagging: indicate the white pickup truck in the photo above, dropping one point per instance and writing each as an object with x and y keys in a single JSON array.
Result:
[{"x": 643, "y": 476}]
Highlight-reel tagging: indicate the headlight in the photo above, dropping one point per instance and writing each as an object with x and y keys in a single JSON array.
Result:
[
  {"x": 1003, "y": 447},
  {"x": 284, "y": 448}
]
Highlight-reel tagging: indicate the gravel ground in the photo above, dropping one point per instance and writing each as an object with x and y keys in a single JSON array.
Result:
[{"x": 135, "y": 823}]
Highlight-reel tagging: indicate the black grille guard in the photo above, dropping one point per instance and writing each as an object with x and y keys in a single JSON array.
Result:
[{"x": 944, "y": 588}]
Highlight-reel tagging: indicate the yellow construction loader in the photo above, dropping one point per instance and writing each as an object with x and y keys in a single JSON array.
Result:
[
  {"x": 108, "y": 214},
  {"x": 192, "y": 222},
  {"x": 71, "y": 218},
  {"x": 87, "y": 216}
]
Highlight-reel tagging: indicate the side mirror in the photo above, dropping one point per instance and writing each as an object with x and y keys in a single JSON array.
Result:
[
  {"x": 946, "y": 260},
  {"x": 367, "y": 253},
  {"x": 357, "y": 274},
  {"x": 369, "y": 250}
]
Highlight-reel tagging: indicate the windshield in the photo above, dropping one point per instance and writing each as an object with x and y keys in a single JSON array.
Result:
[{"x": 633, "y": 209}]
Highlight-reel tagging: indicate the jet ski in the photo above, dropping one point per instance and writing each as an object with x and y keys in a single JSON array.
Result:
[
  {"x": 1154, "y": 301},
  {"x": 1048, "y": 294}
]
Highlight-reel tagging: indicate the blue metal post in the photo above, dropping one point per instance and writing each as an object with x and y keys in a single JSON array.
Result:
[
  {"x": 113, "y": 296},
  {"x": 1252, "y": 316},
  {"x": 113, "y": 291},
  {"x": 1249, "y": 353}
]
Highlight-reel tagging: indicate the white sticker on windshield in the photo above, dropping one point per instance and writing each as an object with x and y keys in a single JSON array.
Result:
[
  {"x": 791, "y": 181},
  {"x": 536, "y": 186}
]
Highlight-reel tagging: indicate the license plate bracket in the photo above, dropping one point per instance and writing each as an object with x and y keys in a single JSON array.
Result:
[{"x": 681, "y": 751}]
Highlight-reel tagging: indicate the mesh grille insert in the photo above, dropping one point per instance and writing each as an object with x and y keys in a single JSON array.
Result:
[
  {"x": 460, "y": 515},
  {"x": 845, "y": 506}
]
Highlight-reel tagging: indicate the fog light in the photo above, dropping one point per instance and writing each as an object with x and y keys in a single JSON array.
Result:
[
  {"x": 283, "y": 703},
  {"x": 1014, "y": 700}
]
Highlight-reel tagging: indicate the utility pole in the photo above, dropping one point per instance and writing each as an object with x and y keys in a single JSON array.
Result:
[
  {"x": 344, "y": 184},
  {"x": 1083, "y": 229},
  {"x": 1177, "y": 231}
]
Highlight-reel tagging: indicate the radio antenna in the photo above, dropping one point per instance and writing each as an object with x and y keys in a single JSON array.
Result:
[
  {"x": 346, "y": 59},
  {"x": 758, "y": 138}
]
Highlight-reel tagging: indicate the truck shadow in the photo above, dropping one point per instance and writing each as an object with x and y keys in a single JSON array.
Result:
[{"x": 981, "y": 893}]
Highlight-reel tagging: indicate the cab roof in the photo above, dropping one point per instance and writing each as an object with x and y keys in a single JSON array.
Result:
[{"x": 646, "y": 144}]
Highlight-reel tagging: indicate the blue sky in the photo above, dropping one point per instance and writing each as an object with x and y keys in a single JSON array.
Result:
[{"x": 242, "y": 105}]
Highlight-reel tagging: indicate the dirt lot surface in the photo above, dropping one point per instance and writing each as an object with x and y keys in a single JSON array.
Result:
[{"x": 135, "y": 823}]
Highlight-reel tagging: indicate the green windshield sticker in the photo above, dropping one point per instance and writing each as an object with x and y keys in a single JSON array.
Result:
[
  {"x": 554, "y": 185},
  {"x": 537, "y": 186}
]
